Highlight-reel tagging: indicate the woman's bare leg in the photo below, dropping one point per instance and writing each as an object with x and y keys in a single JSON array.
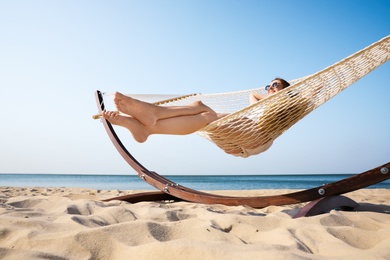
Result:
[
  {"x": 181, "y": 125},
  {"x": 148, "y": 113},
  {"x": 137, "y": 129}
]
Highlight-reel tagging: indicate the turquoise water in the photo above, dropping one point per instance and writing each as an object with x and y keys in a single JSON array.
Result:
[{"x": 199, "y": 182}]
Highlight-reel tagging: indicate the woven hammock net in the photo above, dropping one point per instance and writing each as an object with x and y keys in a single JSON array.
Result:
[{"x": 249, "y": 126}]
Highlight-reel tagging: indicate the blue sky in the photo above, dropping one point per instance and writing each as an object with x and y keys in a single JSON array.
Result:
[{"x": 55, "y": 54}]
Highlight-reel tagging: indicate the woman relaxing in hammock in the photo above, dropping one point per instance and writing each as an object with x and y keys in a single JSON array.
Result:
[{"x": 146, "y": 119}]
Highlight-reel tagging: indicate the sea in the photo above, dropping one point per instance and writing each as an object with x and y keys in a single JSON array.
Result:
[{"x": 198, "y": 182}]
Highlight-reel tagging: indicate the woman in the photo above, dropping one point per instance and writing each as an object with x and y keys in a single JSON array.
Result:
[{"x": 145, "y": 119}]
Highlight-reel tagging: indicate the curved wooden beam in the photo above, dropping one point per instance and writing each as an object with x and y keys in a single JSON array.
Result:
[{"x": 355, "y": 182}]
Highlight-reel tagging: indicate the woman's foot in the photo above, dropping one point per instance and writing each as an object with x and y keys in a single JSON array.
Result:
[
  {"x": 142, "y": 111},
  {"x": 138, "y": 130}
]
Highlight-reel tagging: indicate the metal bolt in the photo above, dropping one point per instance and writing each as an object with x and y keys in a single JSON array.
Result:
[
  {"x": 166, "y": 189},
  {"x": 321, "y": 191},
  {"x": 384, "y": 170},
  {"x": 143, "y": 176}
]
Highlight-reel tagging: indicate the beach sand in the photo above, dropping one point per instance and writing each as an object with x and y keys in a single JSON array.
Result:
[{"x": 73, "y": 223}]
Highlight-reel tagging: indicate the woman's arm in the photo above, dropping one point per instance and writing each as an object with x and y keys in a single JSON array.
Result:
[{"x": 255, "y": 97}]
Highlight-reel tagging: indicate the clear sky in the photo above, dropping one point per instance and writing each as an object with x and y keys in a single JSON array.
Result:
[{"x": 55, "y": 54}]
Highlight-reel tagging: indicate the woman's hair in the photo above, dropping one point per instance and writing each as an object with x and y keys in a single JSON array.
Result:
[{"x": 284, "y": 82}]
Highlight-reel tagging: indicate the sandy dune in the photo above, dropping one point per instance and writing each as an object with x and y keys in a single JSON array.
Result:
[{"x": 62, "y": 223}]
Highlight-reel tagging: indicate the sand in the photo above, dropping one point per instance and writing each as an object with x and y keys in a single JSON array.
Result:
[{"x": 64, "y": 223}]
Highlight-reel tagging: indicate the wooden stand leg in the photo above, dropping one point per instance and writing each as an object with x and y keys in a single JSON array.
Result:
[{"x": 326, "y": 204}]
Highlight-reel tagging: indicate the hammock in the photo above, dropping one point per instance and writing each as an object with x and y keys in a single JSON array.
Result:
[{"x": 247, "y": 127}]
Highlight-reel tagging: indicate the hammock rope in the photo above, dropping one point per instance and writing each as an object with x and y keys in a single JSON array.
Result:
[{"x": 249, "y": 126}]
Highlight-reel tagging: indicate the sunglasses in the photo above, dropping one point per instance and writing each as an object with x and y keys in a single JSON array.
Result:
[{"x": 274, "y": 85}]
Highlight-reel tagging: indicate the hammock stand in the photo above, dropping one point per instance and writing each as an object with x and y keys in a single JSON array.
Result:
[{"x": 324, "y": 198}]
